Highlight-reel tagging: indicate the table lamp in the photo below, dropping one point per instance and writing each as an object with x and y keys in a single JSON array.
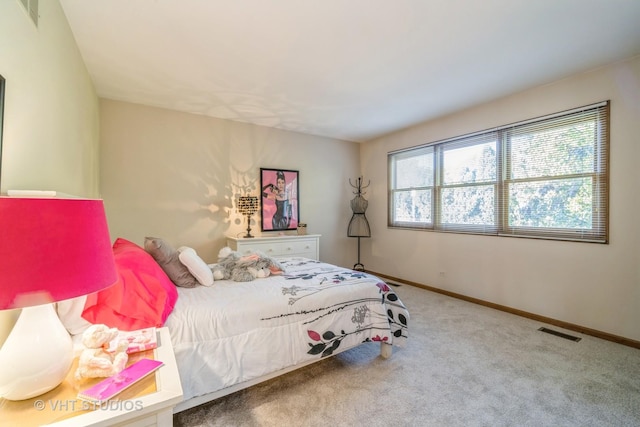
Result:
[
  {"x": 248, "y": 205},
  {"x": 51, "y": 249}
]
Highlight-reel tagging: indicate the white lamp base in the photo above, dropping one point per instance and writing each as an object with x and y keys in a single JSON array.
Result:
[{"x": 36, "y": 356}]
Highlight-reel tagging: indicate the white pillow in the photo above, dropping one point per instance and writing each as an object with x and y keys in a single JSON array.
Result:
[
  {"x": 70, "y": 314},
  {"x": 196, "y": 266}
]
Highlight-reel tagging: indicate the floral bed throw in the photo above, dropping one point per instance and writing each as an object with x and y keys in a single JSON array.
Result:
[
  {"x": 234, "y": 332},
  {"x": 374, "y": 311}
]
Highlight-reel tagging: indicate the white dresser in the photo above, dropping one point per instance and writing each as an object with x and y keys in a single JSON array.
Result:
[{"x": 307, "y": 245}]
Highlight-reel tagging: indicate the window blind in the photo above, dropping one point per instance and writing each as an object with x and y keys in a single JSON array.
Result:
[{"x": 543, "y": 178}]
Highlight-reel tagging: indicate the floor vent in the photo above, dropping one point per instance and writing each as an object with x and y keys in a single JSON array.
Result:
[
  {"x": 560, "y": 334},
  {"x": 397, "y": 285}
]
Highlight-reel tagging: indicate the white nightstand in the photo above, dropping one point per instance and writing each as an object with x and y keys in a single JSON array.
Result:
[
  {"x": 306, "y": 245},
  {"x": 144, "y": 404}
]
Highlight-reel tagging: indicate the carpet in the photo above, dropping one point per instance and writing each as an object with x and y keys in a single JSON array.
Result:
[{"x": 463, "y": 365}]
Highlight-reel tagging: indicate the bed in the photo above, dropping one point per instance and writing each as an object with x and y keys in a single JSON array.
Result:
[
  {"x": 231, "y": 335},
  {"x": 235, "y": 333}
]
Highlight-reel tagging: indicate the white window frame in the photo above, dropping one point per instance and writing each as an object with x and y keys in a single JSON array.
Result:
[{"x": 436, "y": 185}]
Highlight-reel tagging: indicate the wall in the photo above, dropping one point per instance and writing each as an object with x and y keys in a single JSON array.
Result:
[
  {"x": 175, "y": 175},
  {"x": 51, "y": 128},
  {"x": 50, "y": 133},
  {"x": 592, "y": 285}
]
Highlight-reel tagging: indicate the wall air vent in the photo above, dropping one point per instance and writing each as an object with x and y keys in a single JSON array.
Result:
[
  {"x": 31, "y": 7},
  {"x": 560, "y": 334}
]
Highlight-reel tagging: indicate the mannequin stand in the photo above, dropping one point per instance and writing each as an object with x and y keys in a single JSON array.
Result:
[{"x": 358, "y": 266}]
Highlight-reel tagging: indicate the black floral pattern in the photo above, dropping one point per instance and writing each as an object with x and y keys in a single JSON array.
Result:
[{"x": 372, "y": 313}]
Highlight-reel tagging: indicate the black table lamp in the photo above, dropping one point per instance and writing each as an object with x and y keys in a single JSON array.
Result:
[{"x": 248, "y": 205}]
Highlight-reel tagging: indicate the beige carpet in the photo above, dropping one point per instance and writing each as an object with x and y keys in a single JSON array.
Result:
[{"x": 464, "y": 365}]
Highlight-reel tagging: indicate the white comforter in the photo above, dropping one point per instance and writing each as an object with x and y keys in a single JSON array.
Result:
[{"x": 238, "y": 331}]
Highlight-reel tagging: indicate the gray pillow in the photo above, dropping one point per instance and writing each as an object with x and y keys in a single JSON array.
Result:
[{"x": 167, "y": 257}]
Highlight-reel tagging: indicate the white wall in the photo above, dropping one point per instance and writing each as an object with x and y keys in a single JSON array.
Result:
[
  {"x": 50, "y": 138},
  {"x": 51, "y": 127},
  {"x": 592, "y": 285},
  {"x": 175, "y": 175}
]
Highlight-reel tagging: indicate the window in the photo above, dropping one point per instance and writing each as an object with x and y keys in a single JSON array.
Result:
[{"x": 544, "y": 178}]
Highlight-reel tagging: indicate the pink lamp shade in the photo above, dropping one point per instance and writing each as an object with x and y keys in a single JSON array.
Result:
[{"x": 52, "y": 249}]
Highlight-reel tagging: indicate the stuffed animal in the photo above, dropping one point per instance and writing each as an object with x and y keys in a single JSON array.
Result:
[
  {"x": 227, "y": 259},
  {"x": 259, "y": 265},
  {"x": 95, "y": 361},
  {"x": 231, "y": 265}
]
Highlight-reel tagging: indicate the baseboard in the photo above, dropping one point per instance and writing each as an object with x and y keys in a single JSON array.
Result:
[{"x": 569, "y": 326}]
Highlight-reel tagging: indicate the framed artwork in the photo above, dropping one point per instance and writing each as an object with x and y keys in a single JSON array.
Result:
[{"x": 280, "y": 207}]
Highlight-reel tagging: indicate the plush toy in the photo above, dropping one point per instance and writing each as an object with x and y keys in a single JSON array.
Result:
[
  {"x": 95, "y": 361},
  {"x": 259, "y": 265},
  {"x": 231, "y": 265},
  {"x": 227, "y": 259}
]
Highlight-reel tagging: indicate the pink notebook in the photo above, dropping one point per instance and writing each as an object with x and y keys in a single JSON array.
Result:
[{"x": 109, "y": 387}]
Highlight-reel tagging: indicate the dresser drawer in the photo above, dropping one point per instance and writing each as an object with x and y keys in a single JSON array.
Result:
[
  {"x": 307, "y": 246},
  {"x": 298, "y": 248},
  {"x": 269, "y": 249}
]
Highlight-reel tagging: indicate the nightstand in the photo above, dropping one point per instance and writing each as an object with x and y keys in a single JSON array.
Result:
[
  {"x": 147, "y": 403},
  {"x": 306, "y": 245}
]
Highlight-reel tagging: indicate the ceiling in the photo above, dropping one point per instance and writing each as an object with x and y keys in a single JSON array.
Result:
[{"x": 346, "y": 69}]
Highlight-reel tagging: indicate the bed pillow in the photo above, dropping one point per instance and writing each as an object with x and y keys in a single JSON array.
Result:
[
  {"x": 70, "y": 314},
  {"x": 196, "y": 266},
  {"x": 167, "y": 257},
  {"x": 142, "y": 297}
]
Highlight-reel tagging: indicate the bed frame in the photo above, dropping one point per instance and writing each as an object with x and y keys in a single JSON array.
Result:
[{"x": 386, "y": 350}]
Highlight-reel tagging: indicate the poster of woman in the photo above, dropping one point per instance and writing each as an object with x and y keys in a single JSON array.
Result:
[{"x": 280, "y": 203}]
